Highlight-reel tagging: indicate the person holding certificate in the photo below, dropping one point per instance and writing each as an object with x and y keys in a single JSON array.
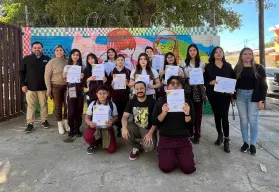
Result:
[
  {"x": 144, "y": 69},
  {"x": 251, "y": 92},
  {"x": 220, "y": 102},
  {"x": 91, "y": 82},
  {"x": 195, "y": 91},
  {"x": 170, "y": 61},
  {"x": 101, "y": 115},
  {"x": 111, "y": 60},
  {"x": 75, "y": 98},
  {"x": 174, "y": 147},
  {"x": 119, "y": 90}
]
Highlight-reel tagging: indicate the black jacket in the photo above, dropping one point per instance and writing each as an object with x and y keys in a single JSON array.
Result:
[
  {"x": 32, "y": 72},
  {"x": 260, "y": 85}
]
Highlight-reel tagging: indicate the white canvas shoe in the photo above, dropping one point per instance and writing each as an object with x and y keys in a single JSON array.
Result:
[
  {"x": 66, "y": 125},
  {"x": 61, "y": 129}
]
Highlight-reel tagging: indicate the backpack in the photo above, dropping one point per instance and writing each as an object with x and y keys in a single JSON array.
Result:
[{"x": 110, "y": 106}]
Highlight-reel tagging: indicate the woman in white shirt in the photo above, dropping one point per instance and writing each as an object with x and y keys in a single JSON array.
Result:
[
  {"x": 195, "y": 93},
  {"x": 110, "y": 62},
  {"x": 143, "y": 67}
]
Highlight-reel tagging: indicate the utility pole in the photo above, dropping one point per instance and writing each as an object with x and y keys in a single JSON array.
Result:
[{"x": 261, "y": 32}]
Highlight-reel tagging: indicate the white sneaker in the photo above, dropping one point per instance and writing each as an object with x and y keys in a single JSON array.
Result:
[
  {"x": 61, "y": 129},
  {"x": 66, "y": 125},
  {"x": 134, "y": 154}
]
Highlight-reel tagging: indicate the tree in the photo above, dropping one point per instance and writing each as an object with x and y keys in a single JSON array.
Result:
[
  {"x": 126, "y": 13},
  {"x": 269, "y": 44}
]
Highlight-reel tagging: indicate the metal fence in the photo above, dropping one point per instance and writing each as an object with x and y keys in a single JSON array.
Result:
[{"x": 11, "y": 102}]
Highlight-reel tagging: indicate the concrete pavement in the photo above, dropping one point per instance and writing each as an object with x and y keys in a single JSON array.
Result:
[{"x": 42, "y": 162}]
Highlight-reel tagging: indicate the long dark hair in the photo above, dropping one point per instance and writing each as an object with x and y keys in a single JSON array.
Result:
[
  {"x": 88, "y": 66},
  {"x": 240, "y": 65},
  {"x": 211, "y": 57},
  {"x": 166, "y": 61},
  {"x": 79, "y": 62},
  {"x": 115, "y": 54},
  {"x": 197, "y": 58},
  {"x": 148, "y": 66}
]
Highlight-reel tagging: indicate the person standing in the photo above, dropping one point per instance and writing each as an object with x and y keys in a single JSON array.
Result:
[
  {"x": 250, "y": 98},
  {"x": 56, "y": 86},
  {"x": 195, "y": 93},
  {"x": 142, "y": 135},
  {"x": 174, "y": 147},
  {"x": 220, "y": 102},
  {"x": 120, "y": 96},
  {"x": 149, "y": 51},
  {"x": 32, "y": 71}
]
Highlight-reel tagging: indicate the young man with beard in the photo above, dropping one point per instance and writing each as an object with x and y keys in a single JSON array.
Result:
[
  {"x": 32, "y": 78},
  {"x": 174, "y": 147},
  {"x": 140, "y": 136}
]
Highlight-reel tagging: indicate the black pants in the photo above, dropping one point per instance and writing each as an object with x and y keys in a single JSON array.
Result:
[
  {"x": 120, "y": 105},
  {"x": 220, "y": 105}
]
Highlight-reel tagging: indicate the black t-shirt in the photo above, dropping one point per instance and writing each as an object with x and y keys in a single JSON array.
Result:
[
  {"x": 247, "y": 79},
  {"x": 142, "y": 111},
  {"x": 174, "y": 124}
]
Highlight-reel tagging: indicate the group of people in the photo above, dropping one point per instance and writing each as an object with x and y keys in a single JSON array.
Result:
[{"x": 155, "y": 127}]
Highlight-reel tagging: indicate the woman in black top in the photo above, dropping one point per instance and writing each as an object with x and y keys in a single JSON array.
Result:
[
  {"x": 251, "y": 91},
  {"x": 220, "y": 102}
]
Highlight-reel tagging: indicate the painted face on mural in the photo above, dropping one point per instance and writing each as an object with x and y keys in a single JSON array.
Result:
[
  {"x": 120, "y": 62},
  {"x": 149, "y": 52},
  {"x": 193, "y": 52},
  {"x": 218, "y": 54},
  {"x": 247, "y": 56},
  {"x": 59, "y": 52},
  {"x": 75, "y": 57},
  {"x": 170, "y": 59},
  {"x": 111, "y": 54},
  {"x": 91, "y": 60},
  {"x": 143, "y": 62},
  {"x": 37, "y": 49}
]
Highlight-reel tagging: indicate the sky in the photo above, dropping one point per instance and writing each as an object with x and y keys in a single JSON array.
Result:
[{"x": 249, "y": 31}]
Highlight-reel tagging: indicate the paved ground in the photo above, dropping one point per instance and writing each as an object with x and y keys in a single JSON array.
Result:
[{"x": 42, "y": 162}]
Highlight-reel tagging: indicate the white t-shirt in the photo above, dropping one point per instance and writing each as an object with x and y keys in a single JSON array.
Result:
[
  {"x": 192, "y": 65},
  {"x": 92, "y": 106},
  {"x": 149, "y": 91}
]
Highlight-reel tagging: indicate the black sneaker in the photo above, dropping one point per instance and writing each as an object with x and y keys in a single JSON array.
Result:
[
  {"x": 90, "y": 150},
  {"x": 29, "y": 128},
  {"x": 46, "y": 124},
  {"x": 253, "y": 150},
  {"x": 244, "y": 147},
  {"x": 78, "y": 133},
  {"x": 71, "y": 137}
]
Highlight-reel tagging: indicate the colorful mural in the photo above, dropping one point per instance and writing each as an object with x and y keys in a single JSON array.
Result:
[
  {"x": 129, "y": 42},
  {"x": 276, "y": 41}
]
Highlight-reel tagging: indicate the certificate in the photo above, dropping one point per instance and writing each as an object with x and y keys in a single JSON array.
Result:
[
  {"x": 225, "y": 85},
  {"x": 119, "y": 81},
  {"x": 128, "y": 64},
  {"x": 196, "y": 76},
  {"x": 98, "y": 71},
  {"x": 175, "y": 100},
  {"x": 100, "y": 115},
  {"x": 170, "y": 71},
  {"x": 158, "y": 62},
  {"x": 73, "y": 73},
  {"x": 109, "y": 66},
  {"x": 144, "y": 78}
]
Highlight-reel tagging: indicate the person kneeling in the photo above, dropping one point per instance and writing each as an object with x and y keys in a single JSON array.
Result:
[
  {"x": 174, "y": 147},
  {"x": 140, "y": 136},
  {"x": 104, "y": 135}
]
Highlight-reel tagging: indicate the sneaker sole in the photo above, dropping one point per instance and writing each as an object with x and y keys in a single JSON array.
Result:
[
  {"x": 45, "y": 127},
  {"x": 244, "y": 151},
  {"x": 90, "y": 153},
  {"x": 26, "y": 132},
  {"x": 132, "y": 159}
]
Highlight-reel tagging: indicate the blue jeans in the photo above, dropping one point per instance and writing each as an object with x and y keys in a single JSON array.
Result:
[{"x": 249, "y": 114}]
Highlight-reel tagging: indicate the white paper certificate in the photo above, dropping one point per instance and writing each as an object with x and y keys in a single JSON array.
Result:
[
  {"x": 170, "y": 71},
  {"x": 100, "y": 115},
  {"x": 158, "y": 62},
  {"x": 128, "y": 64},
  {"x": 175, "y": 100},
  {"x": 225, "y": 85},
  {"x": 196, "y": 76},
  {"x": 73, "y": 73},
  {"x": 119, "y": 81},
  {"x": 144, "y": 78},
  {"x": 98, "y": 71},
  {"x": 109, "y": 66}
]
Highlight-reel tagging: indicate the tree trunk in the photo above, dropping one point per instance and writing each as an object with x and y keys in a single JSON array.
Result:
[{"x": 146, "y": 10}]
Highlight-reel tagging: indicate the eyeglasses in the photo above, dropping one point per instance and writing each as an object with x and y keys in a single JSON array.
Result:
[
  {"x": 170, "y": 57},
  {"x": 175, "y": 83}
]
